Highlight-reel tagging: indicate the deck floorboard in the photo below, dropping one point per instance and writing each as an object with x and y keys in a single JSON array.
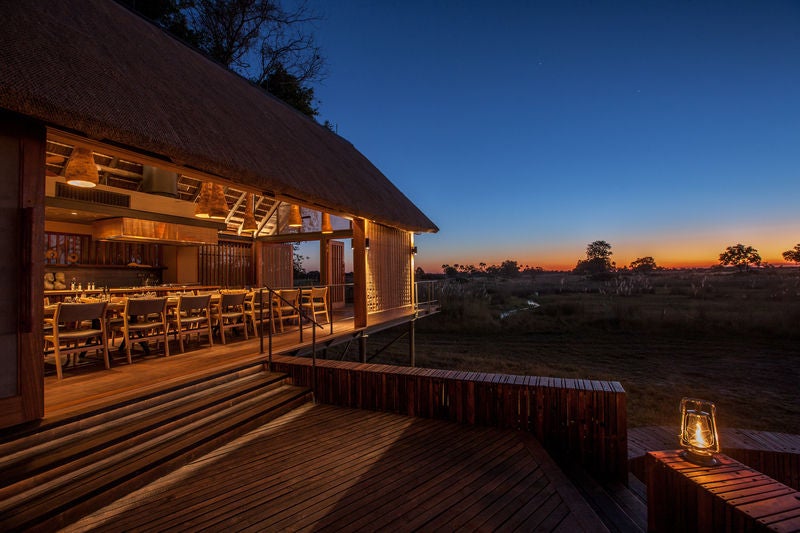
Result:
[{"x": 325, "y": 468}]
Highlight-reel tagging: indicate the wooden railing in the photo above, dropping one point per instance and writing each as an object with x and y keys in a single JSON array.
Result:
[{"x": 576, "y": 420}]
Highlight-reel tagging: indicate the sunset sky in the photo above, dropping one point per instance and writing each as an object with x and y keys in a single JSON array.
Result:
[{"x": 525, "y": 130}]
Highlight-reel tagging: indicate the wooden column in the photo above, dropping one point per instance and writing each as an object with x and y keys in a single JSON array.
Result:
[
  {"x": 359, "y": 273},
  {"x": 22, "y": 183},
  {"x": 324, "y": 274},
  {"x": 683, "y": 496}
]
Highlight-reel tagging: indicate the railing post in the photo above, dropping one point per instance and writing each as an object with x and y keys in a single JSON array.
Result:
[
  {"x": 412, "y": 355},
  {"x": 271, "y": 324},
  {"x": 329, "y": 307},
  {"x": 261, "y": 321},
  {"x": 314, "y": 359}
]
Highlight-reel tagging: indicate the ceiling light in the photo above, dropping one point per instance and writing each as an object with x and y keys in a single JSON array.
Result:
[{"x": 81, "y": 169}]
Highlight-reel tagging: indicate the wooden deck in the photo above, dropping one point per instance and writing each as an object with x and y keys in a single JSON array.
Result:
[
  {"x": 325, "y": 468},
  {"x": 93, "y": 387},
  {"x": 772, "y": 453}
]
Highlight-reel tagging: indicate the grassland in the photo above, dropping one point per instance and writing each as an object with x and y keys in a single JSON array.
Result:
[{"x": 733, "y": 338}]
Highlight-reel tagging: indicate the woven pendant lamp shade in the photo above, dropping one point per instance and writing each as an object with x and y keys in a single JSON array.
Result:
[
  {"x": 249, "y": 223},
  {"x": 326, "y": 224},
  {"x": 201, "y": 208},
  {"x": 81, "y": 169},
  {"x": 295, "y": 218},
  {"x": 218, "y": 206}
]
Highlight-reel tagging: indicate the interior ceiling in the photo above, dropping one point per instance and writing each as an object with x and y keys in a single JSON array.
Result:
[{"x": 127, "y": 175}]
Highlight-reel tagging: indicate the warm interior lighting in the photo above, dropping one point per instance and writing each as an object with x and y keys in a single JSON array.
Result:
[
  {"x": 81, "y": 169},
  {"x": 218, "y": 206},
  {"x": 699, "y": 437},
  {"x": 295, "y": 218},
  {"x": 326, "y": 224},
  {"x": 201, "y": 208},
  {"x": 249, "y": 223}
]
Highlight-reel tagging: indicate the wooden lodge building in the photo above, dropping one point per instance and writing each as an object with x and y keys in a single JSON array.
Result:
[
  {"x": 160, "y": 120},
  {"x": 195, "y": 180}
]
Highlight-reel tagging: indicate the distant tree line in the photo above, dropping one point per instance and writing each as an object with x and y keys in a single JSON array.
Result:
[{"x": 598, "y": 263}]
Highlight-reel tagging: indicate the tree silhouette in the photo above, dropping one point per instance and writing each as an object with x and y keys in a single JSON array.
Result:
[
  {"x": 259, "y": 39},
  {"x": 597, "y": 260},
  {"x": 740, "y": 256},
  {"x": 793, "y": 255},
  {"x": 644, "y": 264}
]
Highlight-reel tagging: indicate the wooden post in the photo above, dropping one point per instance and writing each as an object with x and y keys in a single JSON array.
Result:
[
  {"x": 22, "y": 184},
  {"x": 362, "y": 347},
  {"x": 324, "y": 260},
  {"x": 412, "y": 355},
  {"x": 359, "y": 273}
]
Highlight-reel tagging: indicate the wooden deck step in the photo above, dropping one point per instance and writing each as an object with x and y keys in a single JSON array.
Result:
[
  {"x": 51, "y": 428},
  {"x": 87, "y": 463}
]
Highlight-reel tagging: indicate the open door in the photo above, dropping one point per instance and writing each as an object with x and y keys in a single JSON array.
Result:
[{"x": 22, "y": 177}]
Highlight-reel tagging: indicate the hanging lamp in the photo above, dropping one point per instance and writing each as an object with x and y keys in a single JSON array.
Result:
[
  {"x": 326, "y": 227},
  {"x": 218, "y": 206},
  {"x": 295, "y": 218},
  {"x": 201, "y": 208},
  {"x": 81, "y": 169},
  {"x": 249, "y": 223}
]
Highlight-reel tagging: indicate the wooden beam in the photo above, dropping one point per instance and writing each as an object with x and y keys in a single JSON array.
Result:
[
  {"x": 311, "y": 236},
  {"x": 114, "y": 212}
]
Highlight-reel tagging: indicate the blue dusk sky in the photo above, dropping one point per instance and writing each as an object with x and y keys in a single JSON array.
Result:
[{"x": 526, "y": 130}]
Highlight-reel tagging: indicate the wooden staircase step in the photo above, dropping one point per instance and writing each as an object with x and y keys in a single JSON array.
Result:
[
  {"x": 125, "y": 430},
  {"x": 92, "y": 462},
  {"x": 112, "y": 407}
]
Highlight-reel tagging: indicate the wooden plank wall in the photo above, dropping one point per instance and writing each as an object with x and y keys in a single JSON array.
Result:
[
  {"x": 336, "y": 272},
  {"x": 276, "y": 265},
  {"x": 58, "y": 247},
  {"x": 389, "y": 280},
  {"x": 227, "y": 264},
  {"x": 683, "y": 496},
  {"x": 576, "y": 420}
]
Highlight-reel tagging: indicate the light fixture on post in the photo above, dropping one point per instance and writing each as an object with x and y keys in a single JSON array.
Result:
[
  {"x": 366, "y": 243},
  {"x": 201, "y": 208},
  {"x": 249, "y": 223},
  {"x": 325, "y": 226},
  {"x": 295, "y": 217},
  {"x": 218, "y": 206},
  {"x": 414, "y": 250},
  {"x": 699, "y": 437},
  {"x": 81, "y": 169}
]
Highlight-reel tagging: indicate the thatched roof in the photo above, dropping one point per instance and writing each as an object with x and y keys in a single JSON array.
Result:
[{"x": 94, "y": 67}]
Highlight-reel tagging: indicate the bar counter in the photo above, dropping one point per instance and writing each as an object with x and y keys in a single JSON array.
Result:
[{"x": 160, "y": 290}]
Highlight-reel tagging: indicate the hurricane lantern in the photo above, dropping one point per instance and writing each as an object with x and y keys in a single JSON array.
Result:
[
  {"x": 699, "y": 437},
  {"x": 326, "y": 227},
  {"x": 295, "y": 218},
  {"x": 249, "y": 223},
  {"x": 218, "y": 206},
  {"x": 81, "y": 169}
]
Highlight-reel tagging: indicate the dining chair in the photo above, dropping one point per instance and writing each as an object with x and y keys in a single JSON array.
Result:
[
  {"x": 315, "y": 302},
  {"x": 77, "y": 328},
  {"x": 252, "y": 309},
  {"x": 229, "y": 312},
  {"x": 145, "y": 319},
  {"x": 287, "y": 305},
  {"x": 192, "y": 316}
]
